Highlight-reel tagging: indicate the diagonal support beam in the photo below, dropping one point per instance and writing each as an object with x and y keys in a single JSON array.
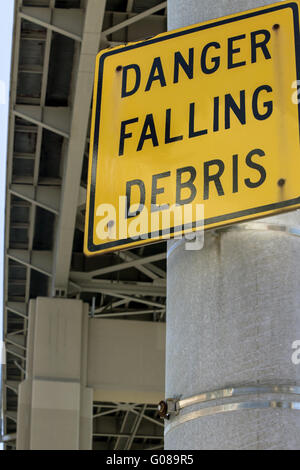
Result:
[
  {"x": 46, "y": 197},
  {"x": 147, "y": 269},
  {"x": 134, "y": 299},
  {"x": 46, "y": 117},
  {"x": 67, "y": 22},
  {"x": 135, "y": 263},
  {"x": 38, "y": 260},
  {"x": 131, "y": 288},
  {"x": 134, "y": 19}
]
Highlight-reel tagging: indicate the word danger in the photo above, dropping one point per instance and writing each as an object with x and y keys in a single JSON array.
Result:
[{"x": 207, "y": 60}]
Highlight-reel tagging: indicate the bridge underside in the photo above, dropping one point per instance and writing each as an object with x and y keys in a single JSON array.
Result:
[{"x": 54, "y": 48}]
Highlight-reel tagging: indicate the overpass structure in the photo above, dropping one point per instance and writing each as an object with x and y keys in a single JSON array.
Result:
[{"x": 113, "y": 305}]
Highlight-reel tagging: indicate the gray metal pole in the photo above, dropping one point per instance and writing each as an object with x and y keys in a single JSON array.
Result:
[{"x": 233, "y": 314}]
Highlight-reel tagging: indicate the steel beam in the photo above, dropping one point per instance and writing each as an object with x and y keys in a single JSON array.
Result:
[
  {"x": 134, "y": 19},
  {"x": 127, "y": 313},
  {"x": 41, "y": 261},
  {"x": 134, "y": 263},
  {"x": 46, "y": 197},
  {"x": 46, "y": 117},
  {"x": 140, "y": 300},
  {"x": 137, "y": 436},
  {"x": 19, "y": 308},
  {"x": 136, "y": 288},
  {"x": 67, "y": 22},
  {"x": 79, "y": 125},
  {"x": 148, "y": 269}
]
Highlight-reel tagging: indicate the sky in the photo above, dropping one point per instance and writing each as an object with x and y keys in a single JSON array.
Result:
[{"x": 6, "y": 28}]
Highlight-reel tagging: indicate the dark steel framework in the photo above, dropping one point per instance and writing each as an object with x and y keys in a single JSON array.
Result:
[{"x": 48, "y": 40}]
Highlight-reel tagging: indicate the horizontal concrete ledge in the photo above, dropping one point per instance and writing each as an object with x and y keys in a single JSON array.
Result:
[{"x": 126, "y": 360}]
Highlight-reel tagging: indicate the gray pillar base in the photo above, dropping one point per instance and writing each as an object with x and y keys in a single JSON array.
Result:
[{"x": 55, "y": 406}]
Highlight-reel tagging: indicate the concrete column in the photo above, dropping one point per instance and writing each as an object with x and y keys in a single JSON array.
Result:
[
  {"x": 232, "y": 316},
  {"x": 55, "y": 406}
]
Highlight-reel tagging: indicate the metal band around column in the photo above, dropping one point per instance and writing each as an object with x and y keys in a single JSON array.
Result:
[
  {"x": 172, "y": 407},
  {"x": 213, "y": 410},
  {"x": 236, "y": 391}
]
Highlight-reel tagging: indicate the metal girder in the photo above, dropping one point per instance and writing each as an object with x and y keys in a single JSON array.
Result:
[
  {"x": 19, "y": 308},
  {"x": 39, "y": 260},
  {"x": 31, "y": 69},
  {"x": 22, "y": 369},
  {"x": 131, "y": 423},
  {"x": 17, "y": 340},
  {"x": 67, "y": 22},
  {"x": 110, "y": 305},
  {"x": 54, "y": 194},
  {"x": 49, "y": 195},
  {"x": 129, "y": 6},
  {"x": 54, "y": 119},
  {"x": 136, "y": 288},
  {"x": 128, "y": 435},
  {"x": 117, "y": 294},
  {"x": 121, "y": 429},
  {"x": 11, "y": 415},
  {"x": 12, "y": 349},
  {"x": 134, "y": 19},
  {"x": 78, "y": 132},
  {"x": 46, "y": 197},
  {"x": 148, "y": 269},
  {"x": 135, "y": 427},
  {"x": 152, "y": 420},
  {"x": 119, "y": 267},
  {"x": 127, "y": 313}
]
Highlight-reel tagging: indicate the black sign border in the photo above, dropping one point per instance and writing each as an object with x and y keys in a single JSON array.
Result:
[{"x": 234, "y": 215}]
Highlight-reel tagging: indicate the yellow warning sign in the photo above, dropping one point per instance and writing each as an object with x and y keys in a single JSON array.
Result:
[{"x": 195, "y": 127}]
